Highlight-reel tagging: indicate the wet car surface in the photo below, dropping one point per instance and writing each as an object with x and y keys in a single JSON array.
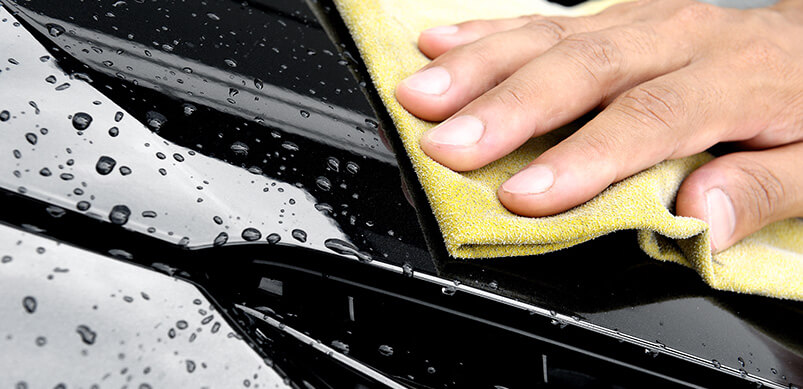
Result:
[{"x": 235, "y": 148}]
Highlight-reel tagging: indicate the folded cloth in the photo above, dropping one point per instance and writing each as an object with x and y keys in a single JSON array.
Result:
[{"x": 473, "y": 222}]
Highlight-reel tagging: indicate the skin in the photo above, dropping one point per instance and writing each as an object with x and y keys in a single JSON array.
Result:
[{"x": 670, "y": 78}]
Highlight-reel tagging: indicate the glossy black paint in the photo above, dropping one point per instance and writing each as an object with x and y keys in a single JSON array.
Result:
[{"x": 430, "y": 325}]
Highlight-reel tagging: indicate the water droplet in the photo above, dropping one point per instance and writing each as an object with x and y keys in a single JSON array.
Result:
[
  {"x": 81, "y": 120},
  {"x": 287, "y": 145},
  {"x": 716, "y": 363},
  {"x": 323, "y": 183},
  {"x": 274, "y": 238},
  {"x": 218, "y": 220},
  {"x": 119, "y": 215},
  {"x": 449, "y": 290},
  {"x": 108, "y": 63},
  {"x": 221, "y": 239},
  {"x": 407, "y": 269},
  {"x": 87, "y": 335},
  {"x": 29, "y": 303},
  {"x": 233, "y": 92},
  {"x": 386, "y": 350},
  {"x": 741, "y": 361},
  {"x": 45, "y": 172},
  {"x": 163, "y": 171},
  {"x": 189, "y": 109},
  {"x": 345, "y": 248},
  {"x": 259, "y": 84},
  {"x": 251, "y": 234},
  {"x": 431, "y": 370},
  {"x": 493, "y": 285},
  {"x": 4, "y": 116},
  {"x": 183, "y": 242},
  {"x": 230, "y": 62},
  {"x": 743, "y": 373},
  {"x": 31, "y": 138},
  {"x": 125, "y": 170},
  {"x": 304, "y": 114},
  {"x": 105, "y": 165},
  {"x": 213, "y": 16},
  {"x": 239, "y": 148},
  {"x": 299, "y": 235},
  {"x": 160, "y": 155},
  {"x": 155, "y": 120},
  {"x": 6, "y": 259},
  {"x": 333, "y": 164},
  {"x": 773, "y": 370},
  {"x": 190, "y": 366},
  {"x": 41, "y": 341},
  {"x": 66, "y": 176},
  {"x": 13, "y": 61},
  {"x": 83, "y": 205},
  {"x": 352, "y": 167},
  {"x": 51, "y": 79},
  {"x": 118, "y": 116},
  {"x": 54, "y": 29},
  {"x": 215, "y": 327},
  {"x": 181, "y": 324}
]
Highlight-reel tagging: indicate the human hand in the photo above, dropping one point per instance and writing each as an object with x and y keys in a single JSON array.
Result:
[{"x": 673, "y": 78}]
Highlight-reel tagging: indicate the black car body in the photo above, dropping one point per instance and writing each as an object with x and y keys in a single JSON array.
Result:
[{"x": 208, "y": 194}]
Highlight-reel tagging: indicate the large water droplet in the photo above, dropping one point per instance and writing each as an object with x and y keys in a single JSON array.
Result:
[
  {"x": 251, "y": 234},
  {"x": 323, "y": 183},
  {"x": 119, "y": 214},
  {"x": 114, "y": 131},
  {"x": 218, "y": 220},
  {"x": 45, "y": 172},
  {"x": 81, "y": 120},
  {"x": 83, "y": 205},
  {"x": 386, "y": 350},
  {"x": 274, "y": 238},
  {"x": 189, "y": 109},
  {"x": 190, "y": 366},
  {"x": 51, "y": 79},
  {"x": 287, "y": 145},
  {"x": 63, "y": 86},
  {"x": 54, "y": 29},
  {"x": 221, "y": 239},
  {"x": 4, "y": 116},
  {"x": 259, "y": 84},
  {"x": 239, "y": 148},
  {"x": 304, "y": 113},
  {"x": 31, "y": 138},
  {"x": 345, "y": 248},
  {"x": 213, "y": 16},
  {"x": 29, "y": 303},
  {"x": 230, "y": 62},
  {"x": 299, "y": 235},
  {"x": 87, "y": 335},
  {"x": 105, "y": 165},
  {"x": 118, "y": 116},
  {"x": 333, "y": 164},
  {"x": 155, "y": 120}
]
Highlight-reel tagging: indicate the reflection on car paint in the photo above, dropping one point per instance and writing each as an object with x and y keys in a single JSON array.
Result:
[
  {"x": 123, "y": 325},
  {"x": 180, "y": 199}
]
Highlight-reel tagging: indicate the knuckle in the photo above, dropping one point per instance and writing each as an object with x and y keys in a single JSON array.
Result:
[
  {"x": 696, "y": 13},
  {"x": 760, "y": 53},
  {"x": 763, "y": 191},
  {"x": 655, "y": 104},
  {"x": 598, "y": 54},
  {"x": 547, "y": 27}
]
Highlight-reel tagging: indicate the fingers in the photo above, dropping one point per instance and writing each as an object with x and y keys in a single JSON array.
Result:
[
  {"x": 568, "y": 80},
  {"x": 739, "y": 193},
  {"x": 454, "y": 79},
  {"x": 658, "y": 120}
]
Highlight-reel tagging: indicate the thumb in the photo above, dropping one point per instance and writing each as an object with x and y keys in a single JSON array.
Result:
[{"x": 739, "y": 193}]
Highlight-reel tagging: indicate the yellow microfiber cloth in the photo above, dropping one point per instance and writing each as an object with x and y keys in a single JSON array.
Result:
[{"x": 474, "y": 223}]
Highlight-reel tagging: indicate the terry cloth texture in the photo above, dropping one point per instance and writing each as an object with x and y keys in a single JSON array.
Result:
[{"x": 475, "y": 225}]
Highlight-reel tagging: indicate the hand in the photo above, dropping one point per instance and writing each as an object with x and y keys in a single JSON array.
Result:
[{"x": 672, "y": 77}]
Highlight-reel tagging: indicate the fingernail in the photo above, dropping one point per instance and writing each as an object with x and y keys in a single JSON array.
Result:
[
  {"x": 721, "y": 217},
  {"x": 532, "y": 180},
  {"x": 433, "y": 81},
  {"x": 440, "y": 30},
  {"x": 461, "y": 131}
]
